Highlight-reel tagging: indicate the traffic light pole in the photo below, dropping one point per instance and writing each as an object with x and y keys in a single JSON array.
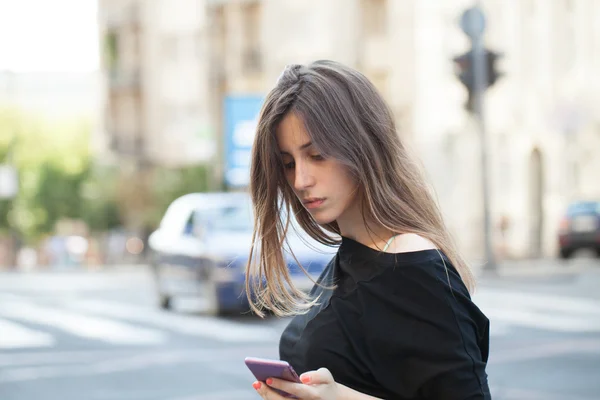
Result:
[{"x": 479, "y": 86}]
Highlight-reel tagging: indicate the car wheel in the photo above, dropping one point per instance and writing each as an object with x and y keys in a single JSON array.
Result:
[
  {"x": 165, "y": 302},
  {"x": 565, "y": 253}
]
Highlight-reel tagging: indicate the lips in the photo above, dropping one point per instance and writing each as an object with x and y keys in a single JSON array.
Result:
[
  {"x": 313, "y": 202},
  {"x": 312, "y": 199}
]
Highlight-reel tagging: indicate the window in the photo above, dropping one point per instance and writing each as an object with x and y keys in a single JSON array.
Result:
[
  {"x": 189, "y": 226},
  {"x": 251, "y": 17}
]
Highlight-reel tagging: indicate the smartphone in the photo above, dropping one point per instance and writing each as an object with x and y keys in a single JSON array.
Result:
[{"x": 263, "y": 368}]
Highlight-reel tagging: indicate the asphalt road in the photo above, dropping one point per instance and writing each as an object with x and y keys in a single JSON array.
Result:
[{"x": 99, "y": 336}]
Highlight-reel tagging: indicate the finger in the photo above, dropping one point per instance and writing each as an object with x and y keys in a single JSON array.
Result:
[
  {"x": 265, "y": 392},
  {"x": 320, "y": 376},
  {"x": 297, "y": 389},
  {"x": 259, "y": 387}
]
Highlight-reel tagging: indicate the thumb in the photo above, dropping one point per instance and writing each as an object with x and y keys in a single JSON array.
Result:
[{"x": 320, "y": 376}]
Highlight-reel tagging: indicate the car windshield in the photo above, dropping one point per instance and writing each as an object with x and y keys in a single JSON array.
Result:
[
  {"x": 235, "y": 218},
  {"x": 228, "y": 218}
]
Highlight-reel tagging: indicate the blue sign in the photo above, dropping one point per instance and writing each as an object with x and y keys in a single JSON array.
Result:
[{"x": 241, "y": 116}]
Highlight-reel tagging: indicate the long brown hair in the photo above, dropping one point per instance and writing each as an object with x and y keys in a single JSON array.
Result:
[{"x": 348, "y": 120}]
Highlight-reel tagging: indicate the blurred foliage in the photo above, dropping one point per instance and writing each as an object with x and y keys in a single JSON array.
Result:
[
  {"x": 111, "y": 50},
  {"x": 99, "y": 207},
  {"x": 170, "y": 184},
  {"x": 55, "y": 196},
  {"x": 54, "y": 165},
  {"x": 161, "y": 186},
  {"x": 144, "y": 194},
  {"x": 59, "y": 179}
]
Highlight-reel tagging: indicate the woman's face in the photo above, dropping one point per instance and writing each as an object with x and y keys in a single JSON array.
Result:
[{"x": 324, "y": 186}]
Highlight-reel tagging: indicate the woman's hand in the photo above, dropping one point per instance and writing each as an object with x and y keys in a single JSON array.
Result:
[{"x": 316, "y": 385}]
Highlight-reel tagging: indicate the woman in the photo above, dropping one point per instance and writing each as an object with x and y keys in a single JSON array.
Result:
[{"x": 391, "y": 316}]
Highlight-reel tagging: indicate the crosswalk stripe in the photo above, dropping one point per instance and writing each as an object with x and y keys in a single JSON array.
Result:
[
  {"x": 82, "y": 325},
  {"x": 115, "y": 323},
  {"x": 546, "y": 322},
  {"x": 209, "y": 327},
  {"x": 539, "y": 301},
  {"x": 16, "y": 336},
  {"x": 128, "y": 363},
  {"x": 540, "y": 311},
  {"x": 44, "y": 356}
]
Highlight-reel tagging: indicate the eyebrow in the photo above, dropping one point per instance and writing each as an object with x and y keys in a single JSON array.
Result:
[{"x": 304, "y": 146}]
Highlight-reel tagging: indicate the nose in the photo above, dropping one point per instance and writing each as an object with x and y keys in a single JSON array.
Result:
[{"x": 304, "y": 177}]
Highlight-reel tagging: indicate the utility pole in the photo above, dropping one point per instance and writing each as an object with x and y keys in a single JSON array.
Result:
[{"x": 473, "y": 25}]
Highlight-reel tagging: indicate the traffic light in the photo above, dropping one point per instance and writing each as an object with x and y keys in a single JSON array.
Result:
[
  {"x": 492, "y": 69},
  {"x": 463, "y": 67},
  {"x": 463, "y": 70}
]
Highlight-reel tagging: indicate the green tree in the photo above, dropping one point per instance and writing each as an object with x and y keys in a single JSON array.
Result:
[
  {"x": 99, "y": 200},
  {"x": 55, "y": 169},
  {"x": 171, "y": 183},
  {"x": 59, "y": 179}
]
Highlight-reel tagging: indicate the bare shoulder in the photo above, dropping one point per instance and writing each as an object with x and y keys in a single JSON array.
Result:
[{"x": 409, "y": 242}]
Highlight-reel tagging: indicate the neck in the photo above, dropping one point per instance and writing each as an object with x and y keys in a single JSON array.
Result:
[{"x": 363, "y": 230}]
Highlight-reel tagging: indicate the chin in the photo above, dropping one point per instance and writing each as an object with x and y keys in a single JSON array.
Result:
[{"x": 323, "y": 219}]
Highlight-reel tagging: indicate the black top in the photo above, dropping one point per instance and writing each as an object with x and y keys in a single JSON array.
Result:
[{"x": 397, "y": 326}]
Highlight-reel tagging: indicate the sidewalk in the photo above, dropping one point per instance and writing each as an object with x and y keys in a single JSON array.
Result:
[
  {"x": 538, "y": 267},
  {"x": 79, "y": 270},
  {"x": 505, "y": 268}
]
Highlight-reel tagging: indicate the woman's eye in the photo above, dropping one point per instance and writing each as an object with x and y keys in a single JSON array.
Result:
[
  {"x": 317, "y": 157},
  {"x": 289, "y": 165}
]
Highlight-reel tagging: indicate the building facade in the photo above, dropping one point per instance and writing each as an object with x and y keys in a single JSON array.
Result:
[
  {"x": 155, "y": 81},
  {"x": 541, "y": 116}
]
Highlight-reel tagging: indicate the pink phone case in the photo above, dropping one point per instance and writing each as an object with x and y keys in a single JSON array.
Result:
[{"x": 263, "y": 368}]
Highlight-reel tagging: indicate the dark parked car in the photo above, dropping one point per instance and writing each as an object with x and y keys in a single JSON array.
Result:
[
  {"x": 202, "y": 246},
  {"x": 580, "y": 228}
]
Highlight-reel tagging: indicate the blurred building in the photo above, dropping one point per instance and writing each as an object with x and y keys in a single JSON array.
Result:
[
  {"x": 175, "y": 66},
  {"x": 154, "y": 95},
  {"x": 155, "y": 82},
  {"x": 542, "y": 119}
]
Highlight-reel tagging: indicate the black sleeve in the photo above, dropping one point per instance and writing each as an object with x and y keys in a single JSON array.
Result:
[{"x": 424, "y": 337}]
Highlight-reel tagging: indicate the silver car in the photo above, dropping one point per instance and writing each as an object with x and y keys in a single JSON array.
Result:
[{"x": 201, "y": 249}]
